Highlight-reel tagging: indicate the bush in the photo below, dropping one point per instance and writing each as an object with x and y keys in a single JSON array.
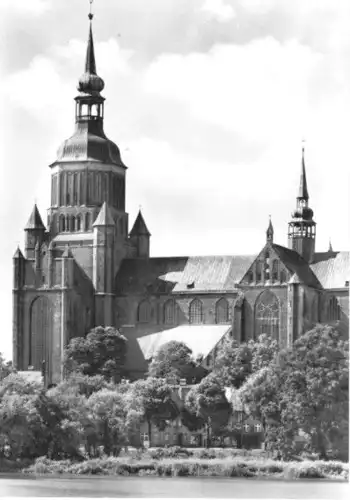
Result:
[{"x": 174, "y": 467}]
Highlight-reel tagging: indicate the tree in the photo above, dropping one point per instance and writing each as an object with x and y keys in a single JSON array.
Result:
[
  {"x": 101, "y": 352},
  {"x": 20, "y": 385},
  {"x": 208, "y": 402},
  {"x": 152, "y": 400},
  {"x": 264, "y": 352},
  {"x": 305, "y": 391},
  {"x": 5, "y": 367},
  {"x": 109, "y": 416},
  {"x": 174, "y": 361},
  {"x": 233, "y": 363}
]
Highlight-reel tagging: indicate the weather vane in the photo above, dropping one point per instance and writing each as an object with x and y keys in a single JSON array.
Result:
[{"x": 90, "y": 13}]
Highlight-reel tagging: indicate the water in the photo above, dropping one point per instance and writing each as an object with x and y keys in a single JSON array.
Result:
[{"x": 114, "y": 487}]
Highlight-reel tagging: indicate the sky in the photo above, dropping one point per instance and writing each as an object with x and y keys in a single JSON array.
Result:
[{"x": 208, "y": 100}]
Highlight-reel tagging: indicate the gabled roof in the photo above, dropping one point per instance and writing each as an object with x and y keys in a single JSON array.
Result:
[
  {"x": 139, "y": 228},
  {"x": 332, "y": 269},
  {"x": 35, "y": 221},
  {"x": 182, "y": 274},
  {"x": 201, "y": 339},
  {"x": 297, "y": 265},
  {"x": 104, "y": 217}
]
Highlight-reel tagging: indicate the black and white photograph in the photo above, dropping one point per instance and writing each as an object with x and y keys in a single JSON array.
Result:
[{"x": 175, "y": 254}]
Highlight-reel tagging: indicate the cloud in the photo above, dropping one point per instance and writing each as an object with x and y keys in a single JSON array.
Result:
[
  {"x": 219, "y": 10},
  {"x": 24, "y": 7},
  {"x": 249, "y": 89}
]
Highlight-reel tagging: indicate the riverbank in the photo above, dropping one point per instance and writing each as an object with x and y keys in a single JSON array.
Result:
[{"x": 193, "y": 467}]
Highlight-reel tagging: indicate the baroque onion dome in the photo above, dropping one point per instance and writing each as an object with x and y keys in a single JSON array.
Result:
[{"x": 89, "y": 142}]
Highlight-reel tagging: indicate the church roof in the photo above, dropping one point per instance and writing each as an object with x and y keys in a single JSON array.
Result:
[
  {"x": 104, "y": 217},
  {"x": 89, "y": 143},
  {"x": 201, "y": 339},
  {"x": 139, "y": 227},
  {"x": 182, "y": 274},
  {"x": 332, "y": 268},
  {"x": 35, "y": 221},
  {"x": 297, "y": 265}
]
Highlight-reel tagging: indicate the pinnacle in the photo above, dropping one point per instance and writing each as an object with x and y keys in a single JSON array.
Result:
[
  {"x": 139, "y": 226},
  {"x": 34, "y": 221},
  {"x": 18, "y": 254},
  {"x": 104, "y": 218}
]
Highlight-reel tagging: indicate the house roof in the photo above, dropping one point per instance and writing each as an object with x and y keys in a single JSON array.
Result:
[
  {"x": 297, "y": 265},
  {"x": 182, "y": 274},
  {"x": 201, "y": 339},
  {"x": 332, "y": 269}
]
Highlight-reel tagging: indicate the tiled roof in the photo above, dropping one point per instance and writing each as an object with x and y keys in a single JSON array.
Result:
[
  {"x": 213, "y": 273},
  {"x": 182, "y": 274},
  {"x": 201, "y": 339},
  {"x": 332, "y": 268},
  {"x": 297, "y": 265}
]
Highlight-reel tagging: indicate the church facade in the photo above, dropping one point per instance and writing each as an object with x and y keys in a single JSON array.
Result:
[{"x": 85, "y": 268}]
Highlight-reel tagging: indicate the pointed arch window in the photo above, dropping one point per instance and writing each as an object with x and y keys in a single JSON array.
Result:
[
  {"x": 79, "y": 222},
  {"x": 144, "y": 312},
  {"x": 222, "y": 311},
  {"x": 283, "y": 276},
  {"x": 196, "y": 312},
  {"x": 258, "y": 270},
  {"x": 170, "y": 312},
  {"x": 275, "y": 270},
  {"x": 333, "y": 309},
  {"x": 267, "y": 311},
  {"x": 62, "y": 223},
  {"x": 72, "y": 223},
  {"x": 87, "y": 221}
]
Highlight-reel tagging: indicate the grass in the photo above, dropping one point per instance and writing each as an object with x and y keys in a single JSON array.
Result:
[{"x": 193, "y": 466}]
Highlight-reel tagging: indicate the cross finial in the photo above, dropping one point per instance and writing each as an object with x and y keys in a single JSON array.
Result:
[
  {"x": 303, "y": 141},
  {"x": 140, "y": 207},
  {"x": 91, "y": 16}
]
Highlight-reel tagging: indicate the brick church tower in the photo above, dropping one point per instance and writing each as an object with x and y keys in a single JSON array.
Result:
[{"x": 64, "y": 283}]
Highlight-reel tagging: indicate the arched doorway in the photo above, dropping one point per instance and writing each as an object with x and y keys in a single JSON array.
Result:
[
  {"x": 267, "y": 312},
  {"x": 40, "y": 334}
]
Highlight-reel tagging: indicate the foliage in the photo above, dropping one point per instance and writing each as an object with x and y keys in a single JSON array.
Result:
[
  {"x": 207, "y": 401},
  {"x": 174, "y": 361},
  {"x": 20, "y": 385},
  {"x": 101, "y": 352},
  {"x": 303, "y": 396},
  {"x": 233, "y": 363},
  {"x": 152, "y": 400},
  {"x": 193, "y": 467},
  {"x": 5, "y": 367}
]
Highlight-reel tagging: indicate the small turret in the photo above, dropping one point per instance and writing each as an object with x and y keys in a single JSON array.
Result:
[
  {"x": 18, "y": 269},
  {"x": 140, "y": 237},
  {"x": 34, "y": 233},
  {"x": 302, "y": 227},
  {"x": 269, "y": 232}
]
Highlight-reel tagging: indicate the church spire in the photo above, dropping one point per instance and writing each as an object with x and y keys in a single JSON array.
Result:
[
  {"x": 303, "y": 192},
  {"x": 90, "y": 82},
  {"x": 269, "y": 232},
  {"x": 302, "y": 227}
]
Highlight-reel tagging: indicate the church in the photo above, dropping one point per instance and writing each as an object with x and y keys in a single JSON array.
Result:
[{"x": 85, "y": 268}]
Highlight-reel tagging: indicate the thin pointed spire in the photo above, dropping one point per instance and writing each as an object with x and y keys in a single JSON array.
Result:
[
  {"x": 139, "y": 227},
  {"x": 303, "y": 192},
  {"x": 90, "y": 82},
  {"x": 330, "y": 248},
  {"x": 90, "y": 62},
  {"x": 269, "y": 232},
  {"x": 35, "y": 221}
]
